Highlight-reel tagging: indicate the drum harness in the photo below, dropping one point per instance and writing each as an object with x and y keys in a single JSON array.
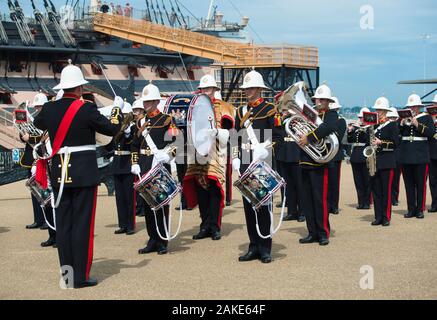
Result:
[
  {"x": 167, "y": 227},
  {"x": 254, "y": 143}
]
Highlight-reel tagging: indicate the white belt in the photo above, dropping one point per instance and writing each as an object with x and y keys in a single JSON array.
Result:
[
  {"x": 358, "y": 144},
  {"x": 122, "y": 153},
  {"x": 247, "y": 146},
  {"x": 64, "y": 150},
  {"x": 146, "y": 152},
  {"x": 414, "y": 139}
]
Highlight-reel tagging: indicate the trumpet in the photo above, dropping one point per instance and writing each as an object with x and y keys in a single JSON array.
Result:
[
  {"x": 23, "y": 121},
  {"x": 295, "y": 101}
]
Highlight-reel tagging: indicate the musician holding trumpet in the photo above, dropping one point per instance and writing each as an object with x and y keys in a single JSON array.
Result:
[
  {"x": 31, "y": 136},
  {"x": 433, "y": 154},
  {"x": 416, "y": 132}
]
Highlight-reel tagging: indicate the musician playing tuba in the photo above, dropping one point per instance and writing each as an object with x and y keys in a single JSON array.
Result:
[
  {"x": 385, "y": 140},
  {"x": 315, "y": 174},
  {"x": 204, "y": 183}
]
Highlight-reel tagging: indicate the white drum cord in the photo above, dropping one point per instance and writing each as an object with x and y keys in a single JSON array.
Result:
[
  {"x": 167, "y": 227},
  {"x": 270, "y": 208}
]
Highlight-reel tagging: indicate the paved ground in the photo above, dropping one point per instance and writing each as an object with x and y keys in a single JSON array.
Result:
[{"x": 403, "y": 257}]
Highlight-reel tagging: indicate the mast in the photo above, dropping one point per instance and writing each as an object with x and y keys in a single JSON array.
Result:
[{"x": 209, "y": 16}]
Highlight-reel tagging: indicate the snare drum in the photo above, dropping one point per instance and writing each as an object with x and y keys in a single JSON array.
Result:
[
  {"x": 43, "y": 196},
  {"x": 157, "y": 187},
  {"x": 259, "y": 183}
]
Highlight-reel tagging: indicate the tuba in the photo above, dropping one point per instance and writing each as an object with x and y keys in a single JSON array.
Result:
[{"x": 304, "y": 120}]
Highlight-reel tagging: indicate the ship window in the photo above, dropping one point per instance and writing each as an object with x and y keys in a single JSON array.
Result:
[
  {"x": 133, "y": 71},
  {"x": 5, "y": 98},
  {"x": 96, "y": 69},
  {"x": 191, "y": 75},
  {"x": 15, "y": 66}
]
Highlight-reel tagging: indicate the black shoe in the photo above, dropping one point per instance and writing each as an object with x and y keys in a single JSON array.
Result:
[
  {"x": 386, "y": 223},
  {"x": 228, "y": 203},
  {"x": 55, "y": 245},
  {"x": 203, "y": 234},
  {"x": 33, "y": 226},
  {"x": 409, "y": 215},
  {"x": 289, "y": 217},
  {"x": 216, "y": 236},
  {"x": 50, "y": 242},
  {"x": 189, "y": 209},
  {"x": 44, "y": 227},
  {"x": 301, "y": 219},
  {"x": 420, "y": 215},
  {"x": 141, "y": 214},
  {"x": 148, "y": 249},
  {"x": 266, "y": 258},
  {"x": 334, "y": 211},
  {"x": 162, "y": 250},
  {"x": 179, "y": 208},
  {"x": 120, "y": 231},
  {"x": 130, "y": 232},
  {"x": 395, "y": 203},
  {"x": 249, "y": 256},
  {"x": 323, "y": 242},
  {"x": 432, "y": 210},
  {"x": 89, "y": 283},
  {"x": 309, "y": 239},
  {"x": 366, "y": 207},
  {"x": 360, "y": 207},
  {"x": 376, "y": 223}
]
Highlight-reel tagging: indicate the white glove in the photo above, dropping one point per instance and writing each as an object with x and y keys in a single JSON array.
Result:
[
  {"x": 118, "y": 102},
  {"x": 236, "y": 164},
  {"x": 162, "y": 156},
  {"x": 127, "y": 132},
  {"x": 223, "y": 136},
  {"x": 145, "y": 133},
  {"x": 33, "y": 170},
  {"x": 260, "y": 153},
  {"x": 135, "y": 169}
]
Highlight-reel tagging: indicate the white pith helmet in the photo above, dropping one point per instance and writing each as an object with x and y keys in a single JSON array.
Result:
[
  {"x": 39, "y": 100},
  {"x": 382, "y": 103},
  {"x": 71, "y": 77},
  {"x": 207, "y": 81},
  {"x": 253, "y": 79},
  {"x": 414, "y": 101},
  {"x": 150, "y": 93}
]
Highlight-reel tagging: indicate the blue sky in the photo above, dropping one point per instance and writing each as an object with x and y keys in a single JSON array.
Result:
[{"x": 359, "y": 65}]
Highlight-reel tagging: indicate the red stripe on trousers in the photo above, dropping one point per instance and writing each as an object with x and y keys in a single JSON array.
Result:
[
  {"x": 135, "y": 204},
  {"x": 390, "y": 184},
  {"x": 339, "y": 178},
  {"x": 325, "y": 202},
  {"x": 424, "y": 188},
  {"x": 91, "y": 237}
]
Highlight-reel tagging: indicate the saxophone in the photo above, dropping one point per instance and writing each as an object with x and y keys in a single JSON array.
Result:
[{"x": 370, "y": 153}]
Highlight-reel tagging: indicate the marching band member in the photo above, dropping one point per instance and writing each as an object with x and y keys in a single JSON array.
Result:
[
  {"x": 138, "y": 111},
  {"x": 414, "y": 156},
  {"x": 26, "y": 161},
  {"x": 287, "y": 154},
  {"x": 315, "y": 175},
  {"x": 155, "y": 126},
  {"x": 72, "y": 125},
  {"x": 121, "y": 168},
  {"x": 394, "y": 116},
  {"x": 433, "y": 154},
  {"x": 264, "y": 117},
  {"x": 334, "y": 174},
  {"x": 204, "y": 184},
  {"x": 386, "y": 138},
  {"x": 356, "y": 136}
]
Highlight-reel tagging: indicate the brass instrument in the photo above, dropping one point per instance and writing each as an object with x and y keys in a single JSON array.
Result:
[
  {"x": 370, "y": 153},
  {"x": 127, "y": 121},
  {"x": 303, "y": 121},
  {"x": 23, "y": 121}
]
